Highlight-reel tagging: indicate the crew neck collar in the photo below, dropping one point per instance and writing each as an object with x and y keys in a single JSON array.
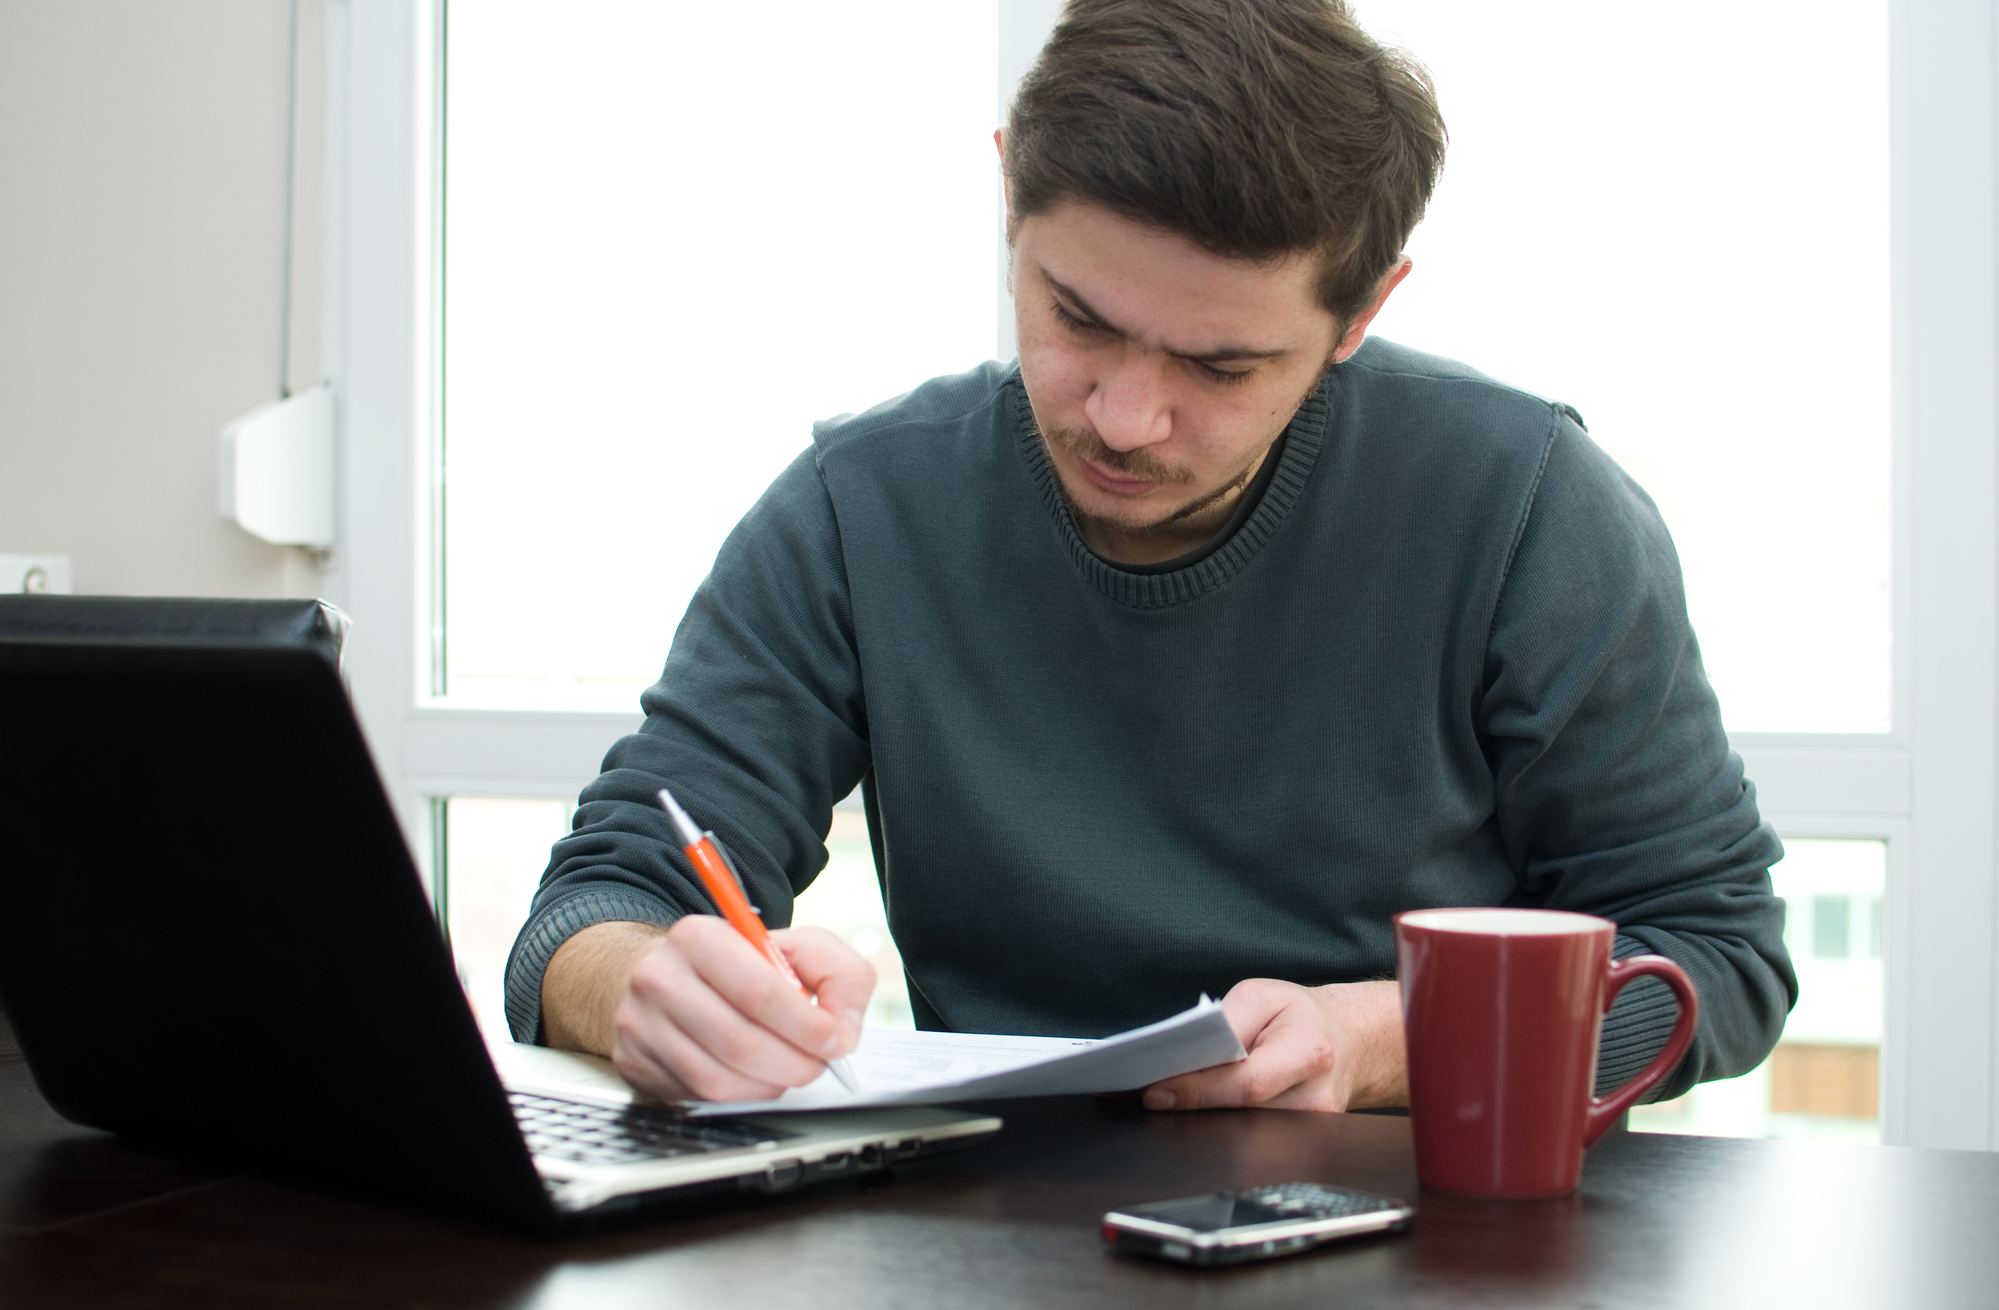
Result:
[
  {"x": 1246, "y": 503},
  {"x": 1200, "y": 571}
]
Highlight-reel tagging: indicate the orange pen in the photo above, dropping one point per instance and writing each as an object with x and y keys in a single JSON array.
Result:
[{"x": 725, "y": 888}]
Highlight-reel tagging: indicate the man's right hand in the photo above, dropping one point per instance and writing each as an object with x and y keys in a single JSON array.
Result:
[{"x": 693, "y": 1012}]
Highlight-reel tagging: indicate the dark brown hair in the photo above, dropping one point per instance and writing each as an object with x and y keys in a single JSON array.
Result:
[{"x": 1254, "y": 128}]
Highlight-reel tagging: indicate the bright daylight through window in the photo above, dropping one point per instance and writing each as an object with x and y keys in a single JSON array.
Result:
[
  {"x": 1678, "y": 224},
  {"x": 665, "y": 260},
  {"x": 662, "y": 265}
]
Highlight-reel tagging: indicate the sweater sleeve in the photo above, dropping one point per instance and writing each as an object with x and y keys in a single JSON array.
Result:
[
  {"x": 757, "y": 724},
  {"x": 1616, "y": 792}
]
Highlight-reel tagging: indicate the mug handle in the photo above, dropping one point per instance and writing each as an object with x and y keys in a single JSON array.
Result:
[{"x": 1603, "y": 1113}]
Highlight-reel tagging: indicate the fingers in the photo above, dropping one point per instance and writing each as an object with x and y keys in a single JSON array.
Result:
[
  {"x": 835, "y": 972},
  {"x": 1253, "y": 1003},
  {"x": 705, "y": 1014},
  {"x": 1334, "y": 1047},
  {"x": 1287, "y": 1070},
  {"x": 1290, "y": 1056},
  {"x": 739, "y": 974},
  {"x": 655, "y": 1062},
  {"x": 1267, "y": 1077}
]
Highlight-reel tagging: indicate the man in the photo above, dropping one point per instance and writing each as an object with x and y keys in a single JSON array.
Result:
[{"x": 1186, "y": 654}]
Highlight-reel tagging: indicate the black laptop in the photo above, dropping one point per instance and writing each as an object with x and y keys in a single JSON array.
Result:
[{"x": 212, "y": 934}]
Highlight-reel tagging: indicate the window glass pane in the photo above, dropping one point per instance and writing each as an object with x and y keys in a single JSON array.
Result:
[
  {"x": 675, "y": 236},
  {"x": 846, "y": 900},
  {"x": 1677, "y": 221},
  {"x": 1823, "y": 1079},
  {"x": 1831, "y": 925},
  {"x": 497, "y": 847}
]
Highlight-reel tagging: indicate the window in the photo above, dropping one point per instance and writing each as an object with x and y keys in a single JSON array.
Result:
[
  {"x": 1830, "y": 927},
  {"x": 1618, "y": 228},
  {"x": 1718, "y": 311},
  {"x": 659, "y": 267},
  {"x": 1844, "y": 745},
  {"x": 494, "y": 850},
  {"x": 1823, "y": 1080},
  {"x": 662, "y": 263}
]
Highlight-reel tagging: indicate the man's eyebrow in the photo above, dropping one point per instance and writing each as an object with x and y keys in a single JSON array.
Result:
[{"x": 1218, "y": 356}]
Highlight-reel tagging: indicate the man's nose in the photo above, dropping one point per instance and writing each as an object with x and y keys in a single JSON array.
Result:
[{"x": 1130, "y": 406}]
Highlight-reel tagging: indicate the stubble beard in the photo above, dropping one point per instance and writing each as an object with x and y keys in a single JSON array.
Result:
[{"x": 1139, "y": 464}]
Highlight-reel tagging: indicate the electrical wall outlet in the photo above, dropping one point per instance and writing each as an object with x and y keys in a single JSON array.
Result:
[{"x": 35, "y": 574}]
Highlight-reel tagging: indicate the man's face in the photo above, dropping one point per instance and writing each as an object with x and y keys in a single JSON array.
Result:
[{"x": 1160, "y": 374}]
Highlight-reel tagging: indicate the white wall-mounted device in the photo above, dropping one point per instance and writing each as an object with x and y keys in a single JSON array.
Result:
[
  {"x": 35, "y": 575},
  {"x": 277, "y": 471}
]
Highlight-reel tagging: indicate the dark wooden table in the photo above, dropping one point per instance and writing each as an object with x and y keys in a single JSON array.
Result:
[{"x": 88, "y": 1220}]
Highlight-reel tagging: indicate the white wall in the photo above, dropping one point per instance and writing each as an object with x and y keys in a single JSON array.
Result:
[
  {"x": 142, "y": 165},
  {"x": 1024, "y": 27}
]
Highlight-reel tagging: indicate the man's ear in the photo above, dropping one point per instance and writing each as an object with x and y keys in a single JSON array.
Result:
[
  {"x": 1357, "y": 330},
  {"x": 1006, "y": 184}
]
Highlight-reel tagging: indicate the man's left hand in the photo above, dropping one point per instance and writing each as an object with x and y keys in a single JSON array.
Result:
[{"x": 1337, "y": 1047}]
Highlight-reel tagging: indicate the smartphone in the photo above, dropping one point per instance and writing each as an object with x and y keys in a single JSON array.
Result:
[{"x": 1256, "y": 1223}]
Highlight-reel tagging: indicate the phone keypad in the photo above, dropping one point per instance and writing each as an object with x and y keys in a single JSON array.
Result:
[{"x": 1312, "y": 1199}]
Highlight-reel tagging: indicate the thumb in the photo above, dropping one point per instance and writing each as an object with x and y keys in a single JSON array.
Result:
[{"x": 1252, "y": 1004}]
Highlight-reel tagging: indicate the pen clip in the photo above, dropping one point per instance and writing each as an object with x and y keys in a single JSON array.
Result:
[
  {"x": 723, "y": 851},
  {"x": 730, "y": 865}
]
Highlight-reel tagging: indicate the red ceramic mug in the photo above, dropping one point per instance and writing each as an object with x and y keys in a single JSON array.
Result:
[{"x": 1500, "y": 1012}]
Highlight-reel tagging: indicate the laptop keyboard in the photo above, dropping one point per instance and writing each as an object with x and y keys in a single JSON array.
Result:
[{"x": 594, "y": 1134}]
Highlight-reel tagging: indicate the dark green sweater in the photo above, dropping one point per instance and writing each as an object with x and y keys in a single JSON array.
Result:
[{"x": 1443, "y": 660}]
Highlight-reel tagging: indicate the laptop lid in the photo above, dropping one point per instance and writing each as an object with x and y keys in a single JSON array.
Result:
[
  {"x": 202, "y": 620},
  {"x": 208, "y": 916}
]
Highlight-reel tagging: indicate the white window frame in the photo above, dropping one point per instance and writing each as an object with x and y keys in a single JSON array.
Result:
[{"x": 1927, "y": 788}]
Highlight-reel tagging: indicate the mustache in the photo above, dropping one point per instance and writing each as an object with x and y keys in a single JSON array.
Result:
[{"x": 1131, "y": 463}]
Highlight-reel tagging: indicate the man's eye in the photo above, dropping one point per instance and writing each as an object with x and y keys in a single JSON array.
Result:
[
  {"x": 1072, "y": 321},
  {"x": 1226, "y": 377}
]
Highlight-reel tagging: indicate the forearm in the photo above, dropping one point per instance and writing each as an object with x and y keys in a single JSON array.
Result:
[
  {"x": 1744, "y": 999},
  {"x": 585, "y": 981}
]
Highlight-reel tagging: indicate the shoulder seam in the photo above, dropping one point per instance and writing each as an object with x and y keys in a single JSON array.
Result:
[
  {"x": 1520, "y": 528},
  {"x": 841, "y": 422},
  {"x": 1477, "y": 379}
]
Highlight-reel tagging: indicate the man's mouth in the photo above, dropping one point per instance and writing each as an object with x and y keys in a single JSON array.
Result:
[{"x": 1116, "y": 484}]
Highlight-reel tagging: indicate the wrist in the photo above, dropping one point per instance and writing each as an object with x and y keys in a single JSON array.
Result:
[
  {"x": 587, "y": 979},
  {"x": 1369, "y": 1046}
]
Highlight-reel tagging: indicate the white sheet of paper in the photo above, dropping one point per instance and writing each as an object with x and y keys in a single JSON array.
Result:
[
  {"x": 569, "y": 1075},
  {"x": 918, "y": 1068}
]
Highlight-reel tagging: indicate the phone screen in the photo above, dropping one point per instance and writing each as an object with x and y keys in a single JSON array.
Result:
[{"x": 1211, "y": 1213}]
